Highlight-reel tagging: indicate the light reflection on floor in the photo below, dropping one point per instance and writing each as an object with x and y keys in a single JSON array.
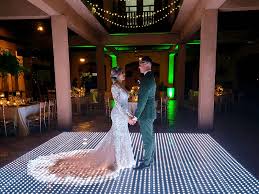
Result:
[
  {"x": 171, "y": 113},
  {"x": 184, "y": 163}
]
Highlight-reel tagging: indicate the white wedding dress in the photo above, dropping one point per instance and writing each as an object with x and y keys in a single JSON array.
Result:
[{"x": 85, "y": 167}]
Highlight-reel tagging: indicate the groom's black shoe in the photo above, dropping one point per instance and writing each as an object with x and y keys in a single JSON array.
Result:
[
  {"x": 151, "y": 161},
  {"x": 142, "y": 166}
]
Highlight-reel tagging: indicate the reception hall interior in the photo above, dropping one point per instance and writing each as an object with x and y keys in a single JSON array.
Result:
[{"x": 56, "y": 59}]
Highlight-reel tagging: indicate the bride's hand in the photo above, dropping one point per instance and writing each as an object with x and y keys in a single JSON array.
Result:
[{"x": 131, "y": 122}]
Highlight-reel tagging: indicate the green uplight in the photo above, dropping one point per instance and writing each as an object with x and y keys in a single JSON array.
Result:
[
  {"x": 83, "y": 46},
  {"x": 112, "y": 103},
  {"x": 123, "y": 48},
  {"x": 171, "y": 112},
  {"x": 114, "y": 60},
  {"x": 171, "y": 68},
  {"x": 170, "y": 93},
  {"x": 194, "y": 42}
]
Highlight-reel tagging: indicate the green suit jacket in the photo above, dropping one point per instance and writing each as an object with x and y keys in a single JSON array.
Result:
[{"x": 146, "y": 108}]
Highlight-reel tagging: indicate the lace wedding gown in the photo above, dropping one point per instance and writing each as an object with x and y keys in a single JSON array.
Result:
[{"x": 85, "y": 167}]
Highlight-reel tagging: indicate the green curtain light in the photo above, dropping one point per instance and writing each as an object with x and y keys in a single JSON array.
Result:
[{"x": 114, "y": 60}]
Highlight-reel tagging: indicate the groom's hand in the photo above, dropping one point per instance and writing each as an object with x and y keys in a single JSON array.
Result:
[{"x": 131, "y": 121}]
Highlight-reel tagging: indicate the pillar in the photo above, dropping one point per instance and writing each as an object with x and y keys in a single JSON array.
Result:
[
  {"x": 62, "y": 71},
  {"x": 180, "y": 75},
  {"x": 108, "y": 62},
  {"x": 207, "y": 69},
  {"x": 100, "y": 68}
]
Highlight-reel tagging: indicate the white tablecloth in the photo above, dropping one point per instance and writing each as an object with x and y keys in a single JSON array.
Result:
[{"x": 19, "y": 114}]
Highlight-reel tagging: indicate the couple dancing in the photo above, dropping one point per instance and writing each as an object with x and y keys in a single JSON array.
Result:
[{"x": 114, "y": 152}]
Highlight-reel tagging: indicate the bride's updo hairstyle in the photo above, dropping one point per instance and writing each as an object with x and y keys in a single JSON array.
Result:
[{"x": 115, "y": 72}]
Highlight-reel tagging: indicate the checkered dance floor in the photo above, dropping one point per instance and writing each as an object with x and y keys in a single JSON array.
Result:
[{"x": 184, "y": 163}]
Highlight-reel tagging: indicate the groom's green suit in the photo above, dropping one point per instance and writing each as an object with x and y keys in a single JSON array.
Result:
[{"x": 146, "y": 114}]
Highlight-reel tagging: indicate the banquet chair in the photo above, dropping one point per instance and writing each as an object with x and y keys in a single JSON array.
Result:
[
  {"x": 6, "y": 124},
  {"x": 37, "y": 119},
  {"x": 51, "y": 112},
  {"x": 162, "y": 107}
]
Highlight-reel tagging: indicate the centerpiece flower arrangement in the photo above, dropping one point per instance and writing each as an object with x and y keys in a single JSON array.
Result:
[
  {"x": 219, "y": 90},
  {"x": 77, "y": 92},
  {"x": 85, "y": 77}
]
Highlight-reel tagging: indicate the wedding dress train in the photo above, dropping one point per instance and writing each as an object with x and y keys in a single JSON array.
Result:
[{"x": 90, "y": 166}]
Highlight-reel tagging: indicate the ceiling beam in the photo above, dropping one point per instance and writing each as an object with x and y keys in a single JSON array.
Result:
[
  {"x": 240, "y": 5},
  {"x": 111, "y": 50},
  {"x": 185, "y": 11},
  {"x": 79, "y": 18},
  {"x": 143, "y": 39},
  {"x": 83, "y": 11},
  {"x": 11, "y": 10},
  {"x": 189, "y": 23}
]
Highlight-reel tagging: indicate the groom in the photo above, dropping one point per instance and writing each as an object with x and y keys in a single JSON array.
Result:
[{"x": 146, "y": 112}]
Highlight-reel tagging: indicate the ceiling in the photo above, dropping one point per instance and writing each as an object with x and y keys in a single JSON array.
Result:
[
  {"x": 166, "y": 10},
  {"x": 235, "y": 29}
]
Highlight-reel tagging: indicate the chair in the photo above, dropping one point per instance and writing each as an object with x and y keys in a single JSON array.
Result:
[
  {"x": 193, "y": 100},
  {"x": 36, "y": 119},
  {"x": 52, "y": 110},
  {"x": 162, "y": 107},
  {"x": 6, "y": 123}
]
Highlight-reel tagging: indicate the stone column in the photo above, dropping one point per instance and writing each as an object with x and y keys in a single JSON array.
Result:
[
  {"x": 62, "y": 71},
  {"x": 207, "y": 69},
  {"x": 180, "y": 75},
  {"x": 100, "y": 68},
  {"x": 108, "y": 64}
]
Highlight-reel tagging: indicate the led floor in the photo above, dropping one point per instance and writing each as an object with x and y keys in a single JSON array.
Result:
[{"x": 185, "y": 163}]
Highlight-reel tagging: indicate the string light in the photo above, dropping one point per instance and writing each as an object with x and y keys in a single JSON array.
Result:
[
  {"x": 132, "y": 26},
  {"x": 95, "y": 8}
]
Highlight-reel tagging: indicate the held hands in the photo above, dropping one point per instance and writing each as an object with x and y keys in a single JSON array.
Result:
[{"x": 132, "y": 120}]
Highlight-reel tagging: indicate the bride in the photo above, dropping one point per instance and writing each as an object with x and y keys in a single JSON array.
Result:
[{"x": 111, "y": 155}]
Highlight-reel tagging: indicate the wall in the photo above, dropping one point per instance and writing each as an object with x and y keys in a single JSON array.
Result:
[
  {"x": 123, "y": 58},
  {"x": 10, "y": 83},
  {"x": 76, "y": 67},
  {"x": 159, "y": 57},
  {"x": 6, "y": 44}
]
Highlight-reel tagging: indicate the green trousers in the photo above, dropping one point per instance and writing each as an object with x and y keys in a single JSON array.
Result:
[{"x": 148, "y": 138}]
